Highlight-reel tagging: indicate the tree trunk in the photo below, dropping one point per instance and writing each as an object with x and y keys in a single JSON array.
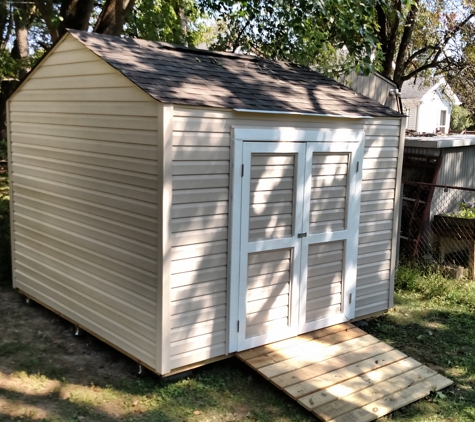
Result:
[
  {"x": 47, "y": 12},
  {"x": 113, "y": 16},
  {"x": 21, "y": 50},
  {"x": 76, "y": 15},
  {"x": 405, "y": 43},
  {"x": 388, "y": 26}
]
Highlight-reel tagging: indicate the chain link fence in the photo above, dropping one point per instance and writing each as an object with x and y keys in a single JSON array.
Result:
[{"x": 438, "y": 227}]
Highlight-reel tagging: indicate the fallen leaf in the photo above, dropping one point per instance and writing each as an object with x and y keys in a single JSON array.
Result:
[
  {"x": 197, "y": 412},
  {"x": 135, "y": 403}
]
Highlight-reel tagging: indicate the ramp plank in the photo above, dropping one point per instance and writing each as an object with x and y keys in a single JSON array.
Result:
[{"x": 342, "y": 374}]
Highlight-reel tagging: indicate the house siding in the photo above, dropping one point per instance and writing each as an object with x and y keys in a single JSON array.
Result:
[
  {"x": 201, "y": 168},
  {"x": 83, "y": 144}
]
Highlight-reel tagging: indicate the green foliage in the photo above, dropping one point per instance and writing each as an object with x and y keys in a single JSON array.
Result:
[
  {"x": 430, "y": 284},
  {"x": 333, "y": 36},
  {"x": 460, "y": 119},
  {"x": 175, "y": 21},
  {"x": 465, "y": 211}
]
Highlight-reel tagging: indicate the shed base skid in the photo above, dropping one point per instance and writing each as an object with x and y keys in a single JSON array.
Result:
[{"x": 175, "y": 371}]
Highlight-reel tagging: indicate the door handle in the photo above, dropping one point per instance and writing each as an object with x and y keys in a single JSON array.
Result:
[{"x": 300, "y": 235}]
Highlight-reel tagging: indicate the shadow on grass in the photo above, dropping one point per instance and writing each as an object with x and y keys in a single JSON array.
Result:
[{"x": 90, "y": 381}]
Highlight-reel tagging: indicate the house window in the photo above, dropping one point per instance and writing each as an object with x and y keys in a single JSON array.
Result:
[{"x": 443, "y": 117}]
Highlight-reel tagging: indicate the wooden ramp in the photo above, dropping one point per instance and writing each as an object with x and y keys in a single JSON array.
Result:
[{"x": 343, "y": 374}]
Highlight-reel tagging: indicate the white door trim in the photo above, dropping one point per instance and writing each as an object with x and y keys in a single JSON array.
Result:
[
  {"x": 349, "y": 235},
  {"x": 277, "y": 134}
]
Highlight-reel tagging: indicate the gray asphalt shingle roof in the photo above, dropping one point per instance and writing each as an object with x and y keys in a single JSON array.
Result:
[
  {"x": 180, "y": 75},
  {"x": 414, "y": 90}
]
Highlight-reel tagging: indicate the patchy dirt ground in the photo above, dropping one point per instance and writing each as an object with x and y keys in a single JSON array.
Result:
[{"x": 48, "y": 374}]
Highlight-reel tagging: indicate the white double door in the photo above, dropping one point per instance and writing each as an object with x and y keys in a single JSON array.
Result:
[{"x": 299, "y": 218}]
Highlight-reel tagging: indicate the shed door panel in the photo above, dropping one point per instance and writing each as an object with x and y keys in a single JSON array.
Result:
[
  {"x": 268, "y": 292},
  {"x": 272, "y": 196},
  {"x": 271, "y": 216}
]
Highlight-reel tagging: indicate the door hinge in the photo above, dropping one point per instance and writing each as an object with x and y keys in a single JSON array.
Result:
[
  {"x": 242, "y": 171},
  {"x": 357, "y": 166},
  {"x": 300, "y": 235},
  {"x": 238, "y": 326},
  {"x": 351, "y": 297}
]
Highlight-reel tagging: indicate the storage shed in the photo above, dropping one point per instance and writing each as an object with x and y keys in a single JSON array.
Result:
[{"x": 183, "y": 205}]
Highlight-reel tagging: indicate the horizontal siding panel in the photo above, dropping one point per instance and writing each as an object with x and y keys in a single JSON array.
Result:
[
  {"x": 190, "y": 318},
  {"x": 200, "y": 263},
  {"x": 253, "y": 330},
  {"x": 180, "y": 168},
  {"x": 93, "y": 67},
  {"x": 199, "y": 223},
  {"x": 323, "y": 302},
  {"x": 86, "y": 182},
  {"x": 108, "y": 317},
  {"x": 64, "y": 57},
  {"x": 377, "y": 174},
  {"x": 65, "y": 305},
  {"x": 99, "y": 198},
  {"x": 198, "y": 289},
  {"x": 374, "y": 247},
  {"x": 371, "y": 309},
  {"x": 148, "y": 224},
  {"x": 79, "y": 82},
  {"x": 126, "y": 178},
  {"x": 375, "y": 226},
  {"x": 101, "y": 291},
  {"x": 381, "y": 141},
  {"x": 379, "y": 163},
  {"x": 199, "y": 195},
  {"x": 202, "y": 249},
  {"x": 372, "y": 206},
  {"x": 68, "y": 44},
  {"x": 116, "y": 155},
  {"x": 369, "y": 185},
  {"x": 372, "y": 298},
  {"x": 138, "y": 123},
  {"x": 200, "y": 276},
  {"x": 202, "y": 208},
  {"x": 144, "y": 288},
  {"x": 199, "y": 355},
  {"x": 372, "y": 268},
  {"x": 91, "y": 133},
  {"x": 201, "y": 139},
  {"x": 81, "y": 94},
  {"x": 147, "y": 108},
  {"x": 375, "y": 152},
  {"x": 185, "y": 153},
  {"x": 323, "y": 257},
  {"x": 375, "y": 237},
  {"x": 199, "y": 236},
  {"x": 104, "y": 224},
  {"x": 200, "y": 182},
  {"x": 85, "y": 230},
  {"x": 272, "y": 314},
  {"x": 371, "y": 195},
  {"x": 198, "y": 329},
  {"x": 324, "y": 290},
  {"x": 98, "y": 259},
  {"x": 268, "y": 291},
  {"x": 366, "y": 289},
  {"x": 372, "y": 278},
  {"x": 194, "y": 343},
  {"x": 374, "y": 257},
  {"x": 127, "y": 257},
  {"x": 366, "y": 217},
  {"x": 195, "y": 303}
]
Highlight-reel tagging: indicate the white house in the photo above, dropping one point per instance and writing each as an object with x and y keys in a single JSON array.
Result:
[{"x": 428, "y": 106}]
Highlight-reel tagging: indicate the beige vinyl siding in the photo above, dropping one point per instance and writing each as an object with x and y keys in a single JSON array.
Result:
[
  {"x": 200, "y": 218},
  {"x": 376, "y": 219},
  {"x": 200, "y": 181},
  {"x": 84, "y": 173}
]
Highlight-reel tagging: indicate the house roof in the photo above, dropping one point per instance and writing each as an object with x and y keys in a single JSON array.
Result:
[
  {"x": 180, "y": 75},
  {"x": 414, "y": 89}
]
